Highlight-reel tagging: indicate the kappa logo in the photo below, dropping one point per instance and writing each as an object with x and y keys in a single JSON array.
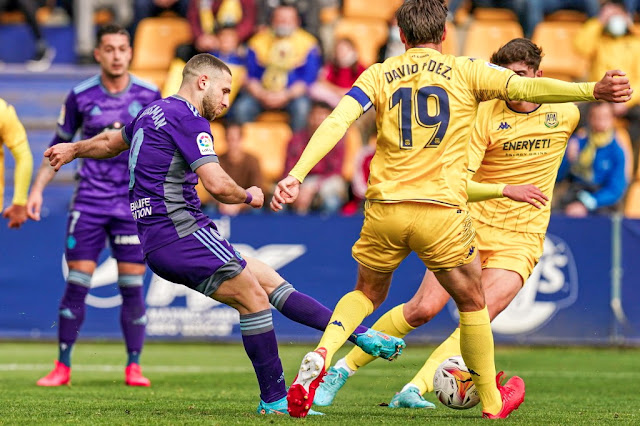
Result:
[
  {"x": 473, "y": 373},
  {"x": 338, "y": 323},
  {"x": 503, "y": 126}
]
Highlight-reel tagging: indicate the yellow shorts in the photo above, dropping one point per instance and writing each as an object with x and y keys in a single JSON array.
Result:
[
  {"x": 510, "y": 250},
  {"x": 443, "y": 237}
]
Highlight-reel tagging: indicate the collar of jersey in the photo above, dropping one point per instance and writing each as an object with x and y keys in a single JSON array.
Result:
[
  {"x": 189, "y": 104},
  {"x": 520, "y": 112},
  {"x": 118, "y": 94}
]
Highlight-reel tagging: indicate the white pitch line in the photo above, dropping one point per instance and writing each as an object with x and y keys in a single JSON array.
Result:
[
  {"x": 194, "y": 369},
  {"x": 179, "y": 369}
]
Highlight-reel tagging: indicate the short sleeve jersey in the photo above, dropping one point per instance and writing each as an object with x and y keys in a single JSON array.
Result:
[
  {"x": 89, "y": 107},
  {"x": 426, "y": 104},
  {"x": 519, "y": 148},
  {"x": 168, "y": 141}
]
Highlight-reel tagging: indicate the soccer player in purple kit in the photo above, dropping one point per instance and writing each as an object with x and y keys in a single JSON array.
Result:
[
  {"x": 170, "y": 148},
  {"x": 100, "y": 205}
]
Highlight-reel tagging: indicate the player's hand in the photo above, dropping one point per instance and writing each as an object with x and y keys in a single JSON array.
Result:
[
  {"x": 34, "y": 205},
  {"x": 16, "y": 214},
  {"x": 257, "y": 197},
  {"x": 526, "y": 194},
  {"x": 60, "y": 154},
  {"x": 286, "y": 192},
  {"x": 614, "y": 87}
]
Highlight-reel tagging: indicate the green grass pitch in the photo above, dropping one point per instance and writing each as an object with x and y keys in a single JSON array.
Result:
[{"x": 214, "y": 384}]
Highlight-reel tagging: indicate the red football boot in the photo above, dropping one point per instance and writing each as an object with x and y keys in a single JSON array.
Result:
[
  {"x": 133, "y": 376},
  {"x": 303, "y": 389},
  {"x": 512, "y": 394},
  {"x": 60, "y": 375}
]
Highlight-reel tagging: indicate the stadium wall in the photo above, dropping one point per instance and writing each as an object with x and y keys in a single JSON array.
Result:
[{"x": 583, "y": 291}]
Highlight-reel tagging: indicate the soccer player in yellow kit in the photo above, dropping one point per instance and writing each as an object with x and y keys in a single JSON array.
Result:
[
  {"x": 514, "y": 143},
  {"x": 14, "y": 137},
  {"x": 426, "y": 103}
]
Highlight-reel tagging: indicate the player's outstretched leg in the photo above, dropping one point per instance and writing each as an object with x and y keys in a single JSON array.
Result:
[
  {"x": 133, "y": 321},
  {"x": 304, "y": 309},
  {"x": 70, "y": 318}
]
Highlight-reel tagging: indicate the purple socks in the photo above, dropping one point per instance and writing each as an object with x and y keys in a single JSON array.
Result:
[
  {"x": 71, "y": 313},
  {"x": 132, "y": 315},
  {"x": 261, "y": 345},
  {"x": 304, "y": 309}
]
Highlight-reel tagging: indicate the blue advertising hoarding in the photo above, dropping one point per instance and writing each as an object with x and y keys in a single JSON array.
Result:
[{"x": 566, "y": 300}]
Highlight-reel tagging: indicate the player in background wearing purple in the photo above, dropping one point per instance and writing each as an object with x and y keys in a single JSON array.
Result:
[
  {"x": 170, "y": 148},
  {"x": 100, "y": 205}
]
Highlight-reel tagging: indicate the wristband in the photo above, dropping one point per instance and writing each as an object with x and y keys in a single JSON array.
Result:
[{"x": 249, "y": 198}]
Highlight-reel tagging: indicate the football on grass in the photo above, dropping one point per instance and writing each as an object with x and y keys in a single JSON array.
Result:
[{"x": 453, "y": 385}]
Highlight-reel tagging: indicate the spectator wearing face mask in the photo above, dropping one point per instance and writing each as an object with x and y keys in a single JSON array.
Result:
[
  {"x": 337, "y": 77},
  {"x": 393, "y": 46},
  {"x": 283, "y": 60},
  {"x": 610, "y": 42}
]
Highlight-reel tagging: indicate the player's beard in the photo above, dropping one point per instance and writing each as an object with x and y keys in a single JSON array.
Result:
[{"x": 210, "y": 108}]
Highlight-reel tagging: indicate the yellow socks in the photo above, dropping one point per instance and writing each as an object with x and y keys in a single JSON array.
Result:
[
  {"x": 450, "y": 347},
  {"x": 348, "y": 314},
  {"x": 476, "y": 347},
  {"x": 392, "y": 323}
]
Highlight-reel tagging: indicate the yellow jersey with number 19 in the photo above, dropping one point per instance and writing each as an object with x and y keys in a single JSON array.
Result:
[
  {"x": 519, "y": 148},
  {"x": 426, "y": 104}
]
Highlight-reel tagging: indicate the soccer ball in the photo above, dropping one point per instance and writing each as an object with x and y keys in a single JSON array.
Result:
[{"x": 453, "y": 385}]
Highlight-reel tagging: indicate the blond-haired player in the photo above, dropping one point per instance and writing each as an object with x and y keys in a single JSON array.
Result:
[
  {"x": 512, "y": 142},
  {"x": 426, "y": 103}
]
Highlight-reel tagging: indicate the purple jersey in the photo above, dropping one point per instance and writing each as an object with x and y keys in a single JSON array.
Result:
[
  {"x": 102, "y": 184},
  {"x": 168, "y": 141}
]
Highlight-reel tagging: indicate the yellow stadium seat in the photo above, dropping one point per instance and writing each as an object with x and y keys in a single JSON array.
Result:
[
  {"x": 565, "y": 15},
  {"x": 268, "y": 142},
  {"x": 352, "y": 145},
  {"x": 494, "y": 14},
  {"x": 632, "y": 203},
  {"x": 451, "y": 43},
  {"x": 486, "y": 37},
  {"x": 156, "y": 41},
  {"x": 560, "y": 59},
  {"x": 376, "y": 9},
  {"x": 368, "y": 35},
  {"x": 273, "y": 117},
  {"x": 623, "y": 138},
  {"x": 219, "y": 134}
]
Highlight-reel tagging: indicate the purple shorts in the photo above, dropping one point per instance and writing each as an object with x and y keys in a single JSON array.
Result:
[
  {"x": 87, "y": 235},
  {"x": 201, "y": 261}
]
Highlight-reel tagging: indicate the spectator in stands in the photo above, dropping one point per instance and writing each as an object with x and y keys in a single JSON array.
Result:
[
  {"x": 282, "y": 62},
  {"x": 337, "y": 76},
  {"x": 309, "y": 11},
  {"x": 44, "y": 53},
  {"x": 150, "y": 8},
  {"x": 594, "y": 166},
  {"x": 243, "y": 167},
  {"x": 205, "y": 16},
  {"x": 394, "y": 46},
  {"x": 633, "y": 6},
  {"x": 609, "y": 42},
  {"x": 324, "y": 188},
  {"x": 228, "y": 50},
  {"x": 83, "y": 11}
]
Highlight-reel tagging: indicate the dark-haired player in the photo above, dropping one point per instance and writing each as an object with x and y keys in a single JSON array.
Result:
[{"x": 100, "y": 206}]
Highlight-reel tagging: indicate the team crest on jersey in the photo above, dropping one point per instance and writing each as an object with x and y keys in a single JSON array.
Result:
[
  {"x": 205, "y": 144},
  {"x": 134, "y": 108},
  {"x": 551, "y": 120}
]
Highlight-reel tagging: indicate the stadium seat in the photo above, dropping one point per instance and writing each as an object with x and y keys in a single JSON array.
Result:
[
  {"x": 494, "y": 14},
  {"x": 485, "y": 37},
  {"x": 565, "y": 15},
  {"x": 155, "y": 44},
  {"x": 273, "y": 117},
  {"x": 376, "y": 9},
  {"x": 352, "y": 145},
  {"x": 451, "y": 44},
  {"x": 368, "y": 35},
  {"x": 632, "y": 203},
  {"x": 560, "y": 59},
  {"x": 219, "y": 137},
  {"x": 268, "y": 142}
]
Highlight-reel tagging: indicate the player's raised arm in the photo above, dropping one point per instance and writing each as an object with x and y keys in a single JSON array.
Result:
[
  {"x": 613, "y": 87},
  {"x": 224, "y": 189},
  {"x": 103, "y": 145}
]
